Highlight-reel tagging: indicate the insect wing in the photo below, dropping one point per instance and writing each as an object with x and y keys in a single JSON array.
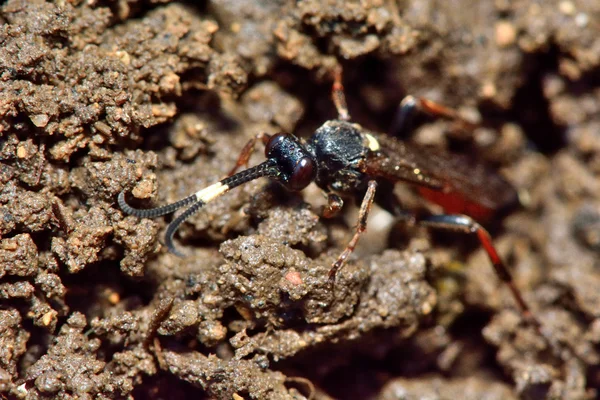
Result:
[{"x": 458, "y": 183}]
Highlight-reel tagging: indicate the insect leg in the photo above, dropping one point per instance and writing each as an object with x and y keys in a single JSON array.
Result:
[
  {"x": 337, "y": 95},
  {"x": 247, "y": 151},
  {"x": 404, "y": 117},
  {"x": 361, "y": 226},
  {"x": 466, "y": 224},
  {"x": 334, "y": 205}
]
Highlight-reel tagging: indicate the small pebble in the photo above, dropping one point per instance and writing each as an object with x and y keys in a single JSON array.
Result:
[{"x": 506, "y": 34}]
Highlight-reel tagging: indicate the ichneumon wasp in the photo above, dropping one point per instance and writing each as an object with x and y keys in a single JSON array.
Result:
[{"x": 346, "y": 160}]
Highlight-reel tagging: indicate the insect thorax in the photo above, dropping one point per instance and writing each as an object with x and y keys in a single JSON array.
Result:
[{"x": 340, "y": 150}]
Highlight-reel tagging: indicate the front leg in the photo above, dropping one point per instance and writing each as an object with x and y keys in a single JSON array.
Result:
[
  {"x": 338, "y": 96},
  {"x": 361, "y": 226},
  {"x": 247, "y": 151},
  {"x": 333, "y": 207}
]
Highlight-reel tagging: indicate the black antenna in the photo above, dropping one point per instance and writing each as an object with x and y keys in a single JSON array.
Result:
[{"x": 268, "y": 168}]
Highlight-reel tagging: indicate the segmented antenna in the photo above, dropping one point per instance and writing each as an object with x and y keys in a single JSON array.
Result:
[
  {"x": 154, "y": 212},
  {"x": 268, "y": 168}
]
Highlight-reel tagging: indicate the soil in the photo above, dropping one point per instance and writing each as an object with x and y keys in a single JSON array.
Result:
[{"x": 158, "y": 97}]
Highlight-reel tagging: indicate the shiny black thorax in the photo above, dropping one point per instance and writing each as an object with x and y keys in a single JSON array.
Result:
[{"x": 340, "y": 151}]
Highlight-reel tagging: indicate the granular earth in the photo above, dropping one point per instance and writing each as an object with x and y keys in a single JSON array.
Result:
[{"x": 157, "y": 98}]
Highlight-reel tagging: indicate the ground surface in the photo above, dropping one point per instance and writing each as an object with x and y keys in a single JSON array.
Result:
[{"x": 157, "y": 98}]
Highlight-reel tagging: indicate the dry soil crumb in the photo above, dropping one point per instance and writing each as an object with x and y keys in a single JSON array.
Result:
[{"x": 158, "y": 97}]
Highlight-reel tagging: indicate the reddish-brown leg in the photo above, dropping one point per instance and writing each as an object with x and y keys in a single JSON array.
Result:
[
  {"x": 361, "y": 226},
  {"x": 333, "y": 207},
  {"x": 410, "y": 104},
  {"x": 247, "y": 151},
  {"x": 337, "y": 95},
  {"x": 466, "y": 224}
]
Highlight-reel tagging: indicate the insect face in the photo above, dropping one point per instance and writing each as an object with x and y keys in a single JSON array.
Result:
[{"x": 296, "y": 165}]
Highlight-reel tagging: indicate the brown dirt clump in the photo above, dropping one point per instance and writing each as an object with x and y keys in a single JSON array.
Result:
[{"x": 157, "y": 98}]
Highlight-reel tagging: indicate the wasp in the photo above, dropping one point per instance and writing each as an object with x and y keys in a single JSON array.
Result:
[{"x": 346, "y": 160}]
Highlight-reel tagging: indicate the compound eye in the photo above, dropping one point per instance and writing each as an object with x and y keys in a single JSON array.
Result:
[
  {"x": 304, "y": 173},
  {"x": 273, "y": 143}
]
